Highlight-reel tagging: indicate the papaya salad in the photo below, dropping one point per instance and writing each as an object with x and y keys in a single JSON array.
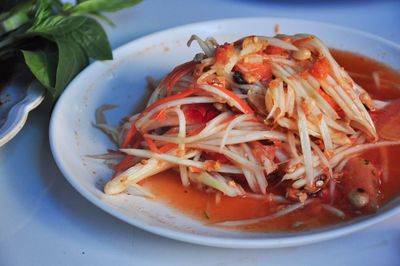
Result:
[{"x": 273, "y": 118}]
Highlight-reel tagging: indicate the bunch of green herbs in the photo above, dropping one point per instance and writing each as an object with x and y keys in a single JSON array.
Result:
[{"x": 55, "y": 39}]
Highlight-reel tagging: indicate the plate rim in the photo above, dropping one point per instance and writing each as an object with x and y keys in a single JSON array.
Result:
[{"x": 228, "y": 242}]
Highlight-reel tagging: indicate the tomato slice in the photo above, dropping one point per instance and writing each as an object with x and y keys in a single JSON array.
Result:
[
  {"x": 264, "y": 150},
  {"x": 274, "y": 50},
  {"x": 200, "y": 113},
  {"x": 260, "y": 71},
  {"x": 361, "y": 176},
  {"x": 321, "y": 68},
  {"x": 222, "y": 53},
  {"x": 387, "y": 121},
  {"x": 217, "y": 157}
]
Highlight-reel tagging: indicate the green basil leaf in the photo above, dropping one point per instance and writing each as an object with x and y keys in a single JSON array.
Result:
[
  {"x": 43, "y": 65},
  {"x": 58, "y": 25},
  {"x": 93, "y": 40},
  {"x": 89, "y": 6},
  {"x": 71, "y": 60},
  {"x": 102, "y": 17},
  {"x": 43, "y": 11},
  {"x": 15, "y": 21},
  {"x": 67, "y": 32},
  {"x": 18, "y": 16}
]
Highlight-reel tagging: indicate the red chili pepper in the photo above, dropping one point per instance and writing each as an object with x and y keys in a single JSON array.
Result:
[
  {"x": 332, "y": 103},
  {"x": 129, "y": 136},
  {"x": 176, "y": 74},
  {"x": 245, "y": 107},
  {"x": 152, "y": 145},
  {"x": 167, "y": 147},
  {"x": 124, "y": 164}
]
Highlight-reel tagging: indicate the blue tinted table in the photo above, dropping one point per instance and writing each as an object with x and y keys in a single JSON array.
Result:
[{"x": 45, "y": 221}]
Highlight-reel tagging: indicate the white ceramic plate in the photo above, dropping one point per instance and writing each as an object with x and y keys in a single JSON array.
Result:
[{"x": 122, "y": 82}]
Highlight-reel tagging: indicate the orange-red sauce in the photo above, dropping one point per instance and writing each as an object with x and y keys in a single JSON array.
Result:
[{"x": 206, "y": 207}]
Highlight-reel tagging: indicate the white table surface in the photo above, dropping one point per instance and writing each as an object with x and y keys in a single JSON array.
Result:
[{"x": 44, "y": 221}]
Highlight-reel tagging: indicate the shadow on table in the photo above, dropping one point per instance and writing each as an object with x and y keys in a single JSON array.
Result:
[{"x": 44, "y": 199}]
